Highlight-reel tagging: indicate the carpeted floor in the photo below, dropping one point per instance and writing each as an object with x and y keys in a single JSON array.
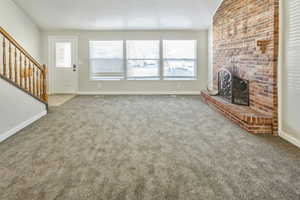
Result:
[{"x": 144, "y": 147}]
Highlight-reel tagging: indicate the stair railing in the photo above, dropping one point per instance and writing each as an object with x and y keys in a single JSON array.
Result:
[{"x": 19, "y": 68}]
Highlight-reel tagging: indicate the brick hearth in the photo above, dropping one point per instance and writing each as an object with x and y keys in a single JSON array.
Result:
[{"x": 247, "y": 118}]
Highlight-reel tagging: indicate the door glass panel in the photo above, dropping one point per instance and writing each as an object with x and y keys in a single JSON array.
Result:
[{"x": 63, "y": 55}]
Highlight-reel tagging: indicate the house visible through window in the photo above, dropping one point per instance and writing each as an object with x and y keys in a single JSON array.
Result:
[
  {"x": 106, "y": 60},
  {"x": 179, "y": 59},
  {"x": 143, "y": 59}
]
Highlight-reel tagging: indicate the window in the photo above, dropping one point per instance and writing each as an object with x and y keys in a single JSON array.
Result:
[
  {"x": 63, "y": 55},
  {"x": 143, "y": 60},
  {"x": 179, "y": 59},
  {"x": 106, "y": 60}
]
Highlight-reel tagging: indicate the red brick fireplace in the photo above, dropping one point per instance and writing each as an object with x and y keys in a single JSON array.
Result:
[{"x": 245, "y": 40}]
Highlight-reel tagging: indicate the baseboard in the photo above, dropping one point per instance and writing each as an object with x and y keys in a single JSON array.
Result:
[
  {"x": 142, "y": 93},
  {"x": 290, "y": 138},
  {"x": 16, "y": 129}
]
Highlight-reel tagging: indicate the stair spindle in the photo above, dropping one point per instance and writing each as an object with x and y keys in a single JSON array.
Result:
[
  {"x": 10, "y": 60},
  {"x": 4, "y": 57},
  {"x": 32, "y": 79},
  {"x": 21, "y": 71},
  {"x": 38, "y": 83},
  {"x": 16, "y": 66},
  {"x": 41, "y": 84},
  {"x": 29, "y": 76},
  {"x": 25, "y": 73}
]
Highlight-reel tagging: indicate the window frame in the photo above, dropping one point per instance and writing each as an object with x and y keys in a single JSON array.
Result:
[
  {"x": 106, "y": 75},
  {"x": 160, "y": 60}
]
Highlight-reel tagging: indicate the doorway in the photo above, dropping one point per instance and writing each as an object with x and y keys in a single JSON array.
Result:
[{"x": 63, "y": 59}]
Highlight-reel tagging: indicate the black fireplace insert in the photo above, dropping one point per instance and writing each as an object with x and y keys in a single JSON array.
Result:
[{"x": 232, "y": 88}]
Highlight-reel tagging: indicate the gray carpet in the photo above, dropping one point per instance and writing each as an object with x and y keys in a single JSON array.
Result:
[{"x": 144, "y": 147}]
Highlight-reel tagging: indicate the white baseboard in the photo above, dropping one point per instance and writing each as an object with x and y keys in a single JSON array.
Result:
[
  {"x": 141, "y": 93},
  {"x": 290, "y": 138},
  {"x": 16, "y": 129}
]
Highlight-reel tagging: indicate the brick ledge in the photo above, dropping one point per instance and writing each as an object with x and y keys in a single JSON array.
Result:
[{"x": 247, "y": 118}]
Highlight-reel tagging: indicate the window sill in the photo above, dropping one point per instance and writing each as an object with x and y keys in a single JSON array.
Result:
[
  {"x": 180, "y": 79},
  {"x": 107, "y": 79},
  {"x": 142, "y": 79}
]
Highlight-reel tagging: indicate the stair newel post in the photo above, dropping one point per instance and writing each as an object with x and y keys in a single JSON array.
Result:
[{"x": 45, "y": 95}]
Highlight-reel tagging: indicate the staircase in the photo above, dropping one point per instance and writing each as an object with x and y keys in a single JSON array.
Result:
[{"x": 21, "y": 70}]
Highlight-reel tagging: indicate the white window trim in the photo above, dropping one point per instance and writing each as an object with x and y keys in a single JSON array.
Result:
[{"x": 161, "y": 65}]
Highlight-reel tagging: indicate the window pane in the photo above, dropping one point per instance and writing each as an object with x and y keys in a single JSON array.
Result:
[
  {"x": 106, "y": 49},
  {"x": 63, "y": 54},
  {"x": 180, "y": 49},
  {"x": 143, "y": 49},
  {"x": 106, "y": 65},
  {"x": 179, "y": 68},
  {"x": 106, "y": 59},
  {"x": 180, "y": 60},
  {"x": 143, "y": 68},
  {"x": 143, "y": 59}
]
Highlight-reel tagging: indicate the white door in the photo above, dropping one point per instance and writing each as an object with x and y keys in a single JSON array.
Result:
[{"x": 64, "y": 68}]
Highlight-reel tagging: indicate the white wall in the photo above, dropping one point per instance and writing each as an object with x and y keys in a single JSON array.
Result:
[
  {"x": 20, "y": 26},
  {"x": 137, "y": 86},
  {"x": 289, "y": 91},
  {"x": 18, "y": 109}
]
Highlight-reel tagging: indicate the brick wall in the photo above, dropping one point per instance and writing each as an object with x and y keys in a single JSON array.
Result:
[{"x": 237, "y": 26}]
